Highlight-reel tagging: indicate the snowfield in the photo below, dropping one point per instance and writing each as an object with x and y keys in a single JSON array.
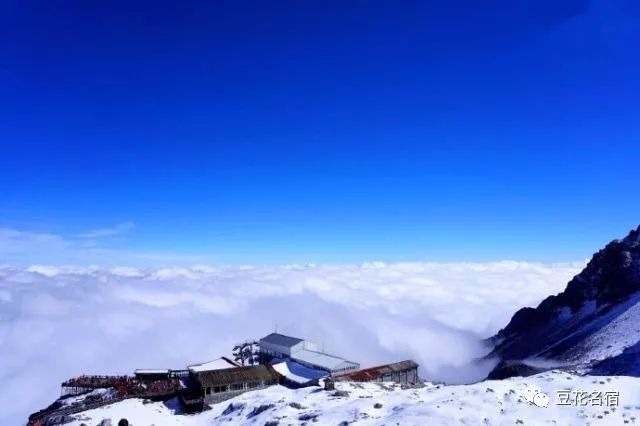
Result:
[{"x": 500, "y": 402}]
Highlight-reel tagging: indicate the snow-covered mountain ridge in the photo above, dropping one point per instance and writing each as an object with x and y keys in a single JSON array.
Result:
[
  {"x": 595, "y": 319},
  {"x": 499, "y": 402}
]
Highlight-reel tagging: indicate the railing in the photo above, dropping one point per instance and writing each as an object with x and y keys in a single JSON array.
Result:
[{"x": 41, "y": 419}]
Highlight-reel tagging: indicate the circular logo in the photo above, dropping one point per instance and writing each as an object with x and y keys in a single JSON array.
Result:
[{"x": 541, "y": 399}]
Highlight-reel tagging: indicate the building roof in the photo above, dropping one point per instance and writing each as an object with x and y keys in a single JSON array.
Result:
[
  {"x": 298, "y": 373},
  {"x": 150, "y": 371},
  {"x": 374, "y": 373},
  {"x": 281, "y": 340},
  {"x": 217, "y": 364},
  {"x": 320, "y": 359},
  {"x": 230, "y": 376}
]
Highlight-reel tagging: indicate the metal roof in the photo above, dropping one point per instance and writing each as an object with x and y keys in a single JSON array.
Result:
[
  {"x": 281, "y": 340},
  {"x": 319, "y": 359},
  {"x": 236, "y": 375},
  {"x": 374, "y": 373},
  {"x": 151, "y": 371},
  {"x": 217, "y": 364}
]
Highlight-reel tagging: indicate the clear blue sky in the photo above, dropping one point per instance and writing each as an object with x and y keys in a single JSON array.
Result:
[{"x": 325, "y": 131}]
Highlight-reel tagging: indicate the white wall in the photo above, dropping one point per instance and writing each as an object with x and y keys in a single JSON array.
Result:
[{"x": 310, "y": 346}]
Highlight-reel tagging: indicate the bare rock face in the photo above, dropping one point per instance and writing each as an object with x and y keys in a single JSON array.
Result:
[
  {"x": 560, "y": 327},
  {"x": 59, "y": 420}
]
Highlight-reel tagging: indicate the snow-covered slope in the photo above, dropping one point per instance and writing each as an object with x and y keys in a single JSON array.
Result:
[
  {"x": 597, "y": 317},
  {"x": 486, "y": 403}
]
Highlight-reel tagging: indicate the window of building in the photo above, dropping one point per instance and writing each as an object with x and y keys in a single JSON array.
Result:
[
  {"x": 208, "y": 390},
  {"x": 237, "y": 386},
  {"x": 253, "y": 385}
]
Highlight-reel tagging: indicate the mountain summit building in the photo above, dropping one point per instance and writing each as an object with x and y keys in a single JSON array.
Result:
[
  {"x": 303, "y": 352},
  {"x": 284, "y": 360}
]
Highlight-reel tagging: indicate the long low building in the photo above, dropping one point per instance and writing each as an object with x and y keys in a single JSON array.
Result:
[
  {"x": 323, "y": 361},
  {"x": 222, "y": 378},
  {"x": 403, "y": 372},
  {"x": 304, "y": 352},
  {"x": 152, "y": 374},
  {"x": 219, "y": 385}
]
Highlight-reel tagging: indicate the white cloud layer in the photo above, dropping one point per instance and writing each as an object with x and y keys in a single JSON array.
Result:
[{"x": 58, "y": 322}]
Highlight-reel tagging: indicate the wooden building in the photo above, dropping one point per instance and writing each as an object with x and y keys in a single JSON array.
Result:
[
  {"x": 218, "y": 385},
  {"x": 146, "y": 375},
  {"x": 403, "y": 372}
]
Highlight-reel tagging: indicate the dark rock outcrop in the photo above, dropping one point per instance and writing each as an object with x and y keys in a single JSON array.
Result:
[
  {"x": 506, "y": 369},
  {"x": 59, "y": 420}
]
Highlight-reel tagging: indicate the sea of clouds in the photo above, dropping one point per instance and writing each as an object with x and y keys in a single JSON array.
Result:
[{"x": 59, "y": 322}]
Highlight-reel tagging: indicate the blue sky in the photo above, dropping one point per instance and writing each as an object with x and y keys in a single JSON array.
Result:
[{"x": 318, "y": 131}]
